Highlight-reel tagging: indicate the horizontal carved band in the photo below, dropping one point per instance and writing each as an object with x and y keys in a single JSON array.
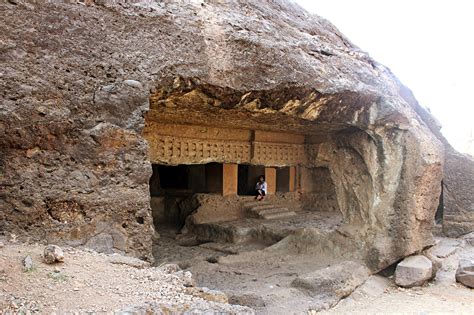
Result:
[{"x": 183, "y": 150}]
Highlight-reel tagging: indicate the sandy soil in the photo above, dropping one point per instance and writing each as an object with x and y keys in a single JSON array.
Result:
[
  {"x": 433, "y": 299},
  {"x": 88, "y": 282}
]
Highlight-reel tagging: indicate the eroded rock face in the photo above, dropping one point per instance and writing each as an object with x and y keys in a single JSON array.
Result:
[
  {"x": 457, "y": 202},
  {"x": 458, "y": 197},
  {"x": 327, "y": 286},
  {"x": 77, "y": 81},
  {"x": 465, "y": 273}
]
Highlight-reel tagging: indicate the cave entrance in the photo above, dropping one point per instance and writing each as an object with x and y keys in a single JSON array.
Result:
[
  {"x": 171, "y": 185},
  {"x": 283, "y": 179},
  {"x": 440, "y": 210},
  {"x": 247, "y": 178}
]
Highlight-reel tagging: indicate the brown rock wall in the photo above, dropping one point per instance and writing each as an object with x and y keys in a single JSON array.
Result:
[{"x": 73, "y": 115}]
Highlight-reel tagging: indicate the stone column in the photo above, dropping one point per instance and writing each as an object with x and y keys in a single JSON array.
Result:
[
  {"x": 270, "y": 178},
  {"x": 229, "y": 179},
  {"x": 292, "y": 179}
]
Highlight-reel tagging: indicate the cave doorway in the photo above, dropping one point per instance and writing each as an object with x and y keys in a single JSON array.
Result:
[
  {"x": 283, "y": 179},
  {"x": 440, "y": 210},
  {"x": 172, "y": 185},
  {"x": 247, "y": 178}
]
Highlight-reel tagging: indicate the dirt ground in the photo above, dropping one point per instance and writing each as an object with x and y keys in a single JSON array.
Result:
[
  {"x": 87, "y": 282},
  {"x": 442, "y": 295}
]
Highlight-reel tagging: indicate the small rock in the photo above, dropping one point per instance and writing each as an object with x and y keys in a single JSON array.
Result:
[
  {"x": 129, "y": 261},
  {"x": 170, "y": 268},
  {"x": 465, "y": 273},
  {"x": 469, "y": 239},
  {"x": 28, "y": 263},
  {"x": 53, "y": 254},
  {"x": 208, "y": 295},
  {"x": 133, "y": 83},
  {"x": 413, "y": 271},
  {"x": 186, "y": 278},
  {"x": 252, "y": 300},
  {"x": 2, "y": 245}
]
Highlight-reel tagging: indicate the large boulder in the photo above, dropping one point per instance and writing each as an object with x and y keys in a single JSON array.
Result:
[
  {"x": 456, "y": 206},
  {"x": 465, "y": 272},
  {"x": 413, "y": 271},
  {"x": 458, "y": 196},
  {"x": 78, "y": 79}
]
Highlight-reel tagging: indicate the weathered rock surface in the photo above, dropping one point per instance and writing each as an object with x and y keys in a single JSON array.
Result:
[
  {"x": 457, "y": 201},
  {"x": 374, "y": 286},
  {"x": 53, "y": 254},
  {"x": 327, "y": 286},
  {"x": 469, "y": 239},
  {"x": 458, "y": 196},
  {"x": 207, "y": 294},
  {"x": 465, "y": 272},
  {"x": 129, "y": 261},
  {"x": 436, "y": 262},
  {"x": 77, "y": 80},
  {"x": 445, "y": 248},
  {"x": 413, "y": 271},
  {"x": 251, "y": 300}
]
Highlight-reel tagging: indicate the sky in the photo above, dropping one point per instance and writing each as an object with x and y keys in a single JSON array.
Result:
[{"x": 428, "y": 44}]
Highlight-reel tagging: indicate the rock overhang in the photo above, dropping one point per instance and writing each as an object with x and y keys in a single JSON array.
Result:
[{"x": 273, "y": 65}]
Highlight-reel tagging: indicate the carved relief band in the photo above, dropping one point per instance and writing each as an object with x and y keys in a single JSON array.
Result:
[
  {"x": 201, "y": 144},
  {"x": 180, "y": 150},
  {"x": 278, "y": 154}
]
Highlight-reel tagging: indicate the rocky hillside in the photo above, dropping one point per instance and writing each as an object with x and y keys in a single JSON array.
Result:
[{"x": 76, "y": 81}]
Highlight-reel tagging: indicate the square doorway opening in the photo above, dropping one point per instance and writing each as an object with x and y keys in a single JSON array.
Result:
[{"x": 247, "y": 178}]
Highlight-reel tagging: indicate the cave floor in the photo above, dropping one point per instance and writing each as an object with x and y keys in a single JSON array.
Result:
[
  {"x": 250, "y": 273},
  {"x": 244, "y": 271},
  {"x": 267, "y": 232},
  {"x": 249, "y": 234}
]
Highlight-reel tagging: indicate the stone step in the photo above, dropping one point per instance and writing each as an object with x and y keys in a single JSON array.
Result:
[
  {"x": 251, "y": 204},
  {"x": 262, "y": 207},
  {"x": 272, "y": 211},
  {"x": 278, "y": 215}
]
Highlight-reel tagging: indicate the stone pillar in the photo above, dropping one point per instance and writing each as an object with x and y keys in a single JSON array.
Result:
[
  {"x": 229, "y": 179},
  {"x": 270, "y": 178},
  {"x": 292, "y": 179}
]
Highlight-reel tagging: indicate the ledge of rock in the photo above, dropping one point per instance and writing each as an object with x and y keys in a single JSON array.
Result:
[{"x": 327, "y": 286}]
